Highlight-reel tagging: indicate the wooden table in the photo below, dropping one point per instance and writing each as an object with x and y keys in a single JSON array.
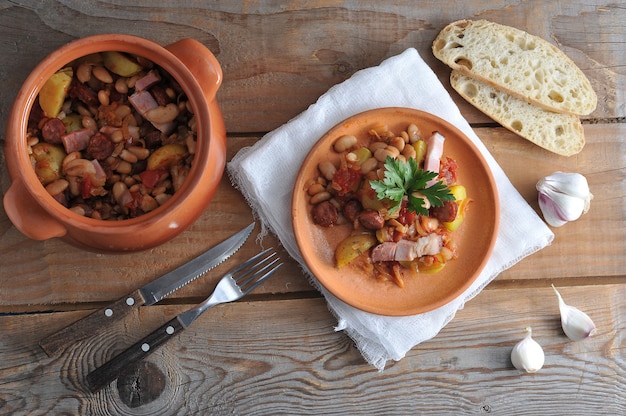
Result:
[{"x": 276, "y": 352}]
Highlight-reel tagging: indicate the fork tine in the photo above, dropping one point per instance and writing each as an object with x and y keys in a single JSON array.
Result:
[
  {"x": 251, "y": 265},
  {"x": 262, "y": 278},
  {"x": 253, "y": 274},
  {"x": 259, "y": 266},
  {"x": 250, "y": 261}
]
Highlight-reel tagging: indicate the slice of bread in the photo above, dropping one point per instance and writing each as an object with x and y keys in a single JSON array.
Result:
[
  {"x": 521, "y": 64},
  {"x": 556, "y": 132}
]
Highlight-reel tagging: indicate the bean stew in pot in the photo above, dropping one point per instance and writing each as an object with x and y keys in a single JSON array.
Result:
[{"x": 112, "y": 136}]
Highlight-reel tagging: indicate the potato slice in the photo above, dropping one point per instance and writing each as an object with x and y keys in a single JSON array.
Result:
[
  {"x": 166, "y": 156},
  {"x": 54, "y": 91},
  {"x": 73, "y": 122},
  {"x": 48, "y": 161},
  {"x": 433, "y": 268},
  {"x": 352, "y": 247},
  {"x": 121, "y": 64}
]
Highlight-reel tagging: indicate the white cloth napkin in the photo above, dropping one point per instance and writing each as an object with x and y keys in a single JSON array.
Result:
[{"x": 265, "y": 174}]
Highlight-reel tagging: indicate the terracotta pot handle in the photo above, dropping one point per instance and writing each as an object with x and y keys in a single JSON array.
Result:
[
  {"x": 28, "y": 216},
  {"x": 202, "y": 64}
]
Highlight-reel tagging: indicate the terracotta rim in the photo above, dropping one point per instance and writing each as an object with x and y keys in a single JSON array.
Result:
[
  {"x": 422, "y": 295},
  {"x": 99, "y": 43}
]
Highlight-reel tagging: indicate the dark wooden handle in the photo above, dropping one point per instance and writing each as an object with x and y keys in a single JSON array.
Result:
[
  {"x": 90, "y": 324},
  {"x": 105, "y": 374}
]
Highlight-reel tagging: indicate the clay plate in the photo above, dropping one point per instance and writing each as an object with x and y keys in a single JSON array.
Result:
[{"x": 475, "y": 238}]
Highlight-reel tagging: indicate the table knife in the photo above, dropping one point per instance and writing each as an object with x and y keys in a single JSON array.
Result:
[{"x": 148, "y": 294}]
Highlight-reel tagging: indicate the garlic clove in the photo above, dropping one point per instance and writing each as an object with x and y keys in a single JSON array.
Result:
[
  {"x": 549, "y": 211},
  {"x": 576, "y": 324},
  {"x": 566, "y": 207},
  {"x": 573, "y": 184},
  {"x": 563, "y": 197},
  {"x": 527, "y": 354}
]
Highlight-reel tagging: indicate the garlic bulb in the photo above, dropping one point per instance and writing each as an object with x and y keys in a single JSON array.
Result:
[
  {"x": 527, "y": 354},
  {"x": 563, "y": 197},
  {"x": 576, "y": 324}
]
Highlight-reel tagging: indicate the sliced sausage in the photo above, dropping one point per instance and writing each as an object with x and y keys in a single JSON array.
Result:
[
  {"x": 445, "y": 213},
  {"x": 371, "y": 219},
  {"x": 325, "y": 214},
  {"x": 100, "y": 147},
  {"x": 84, "y": 94},
  {"x": 53, "y": 131},
  {"x": 352, "y": 209}
]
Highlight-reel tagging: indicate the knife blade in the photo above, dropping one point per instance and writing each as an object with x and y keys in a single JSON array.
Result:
[{"x": 148, "y": 294}]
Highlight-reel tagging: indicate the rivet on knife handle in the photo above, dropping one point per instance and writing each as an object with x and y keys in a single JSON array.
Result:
[
  {"x": 105, "y": 374},
  {"x": 83, "y": 328},
  {"x": 236, "y": 283},
  {"x": 148, "y": 294}
]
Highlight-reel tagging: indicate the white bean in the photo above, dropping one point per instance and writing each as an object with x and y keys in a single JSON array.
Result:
[
  {"x": 191, "y": 144},
  {"x": 377, "y": 145},
  {"x": 344, "y": 143},
  {"x": 103, "y": 97},
  {"x": 163, "y": 114},
  {"x": 83, "y": 72},
  {"x": 320, "y": 197},
  {"x": 117, "y": 136},
  {"x": 397, "y": 142},
  {"x": 369, "y": 165},
  {"x": 327, "y": 169},
  {"x": 409, "y": 152},
  {"x": 128, "y": 156},
  {"x": 78, "y": 210},
  {"x": 122, "y": 111},
  {"x": 101, "y": 74},
  {"x": 141, "y": 152},
  {"x": 119, "y": 190},
  {"x": 124, "y": 167},
  {"x": 57, "y": 187},
  {"x": 148, "y": 203},
  {"x": 121, "y": 86},
  {"x": 72, "y": 166},
  {"x": 381, "y": 154},
  {"x": 316, "y": 188},
  {"x": 89, "y": 123},
  {"x": 413, "y": 132}
]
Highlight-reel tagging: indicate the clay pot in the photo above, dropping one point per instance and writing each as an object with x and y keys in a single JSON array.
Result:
[{"x": 39, "y": 216}]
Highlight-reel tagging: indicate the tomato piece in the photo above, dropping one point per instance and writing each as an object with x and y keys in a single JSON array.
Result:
[
  {"x": 448, "y": 170},
  {"x": 346, "y": 180},
  {"x": 406, "y": 217},
  {"x": 85, "y": 188},
  {"x": 134, "y": 205},
  {"x": 150, "y": 177}
]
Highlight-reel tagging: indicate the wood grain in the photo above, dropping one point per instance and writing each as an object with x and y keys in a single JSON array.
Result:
[
  {"x": 277, "y": 352},
  {"x": 312, "y": 46},
  {"x": 286, "y": 358},
  {"x": 58, "y": 273}
]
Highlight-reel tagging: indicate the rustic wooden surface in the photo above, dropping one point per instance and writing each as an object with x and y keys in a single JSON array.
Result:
[{"x": 276, "y": 352}]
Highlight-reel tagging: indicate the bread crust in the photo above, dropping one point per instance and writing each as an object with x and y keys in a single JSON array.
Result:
[
  {"x": 514, "y": 61},
  {"x": 559, "y": 133}
]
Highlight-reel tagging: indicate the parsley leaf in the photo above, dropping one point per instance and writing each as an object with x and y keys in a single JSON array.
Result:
[{"x": 406, "y": 178}]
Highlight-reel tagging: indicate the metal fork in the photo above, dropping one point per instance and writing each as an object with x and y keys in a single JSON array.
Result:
[{"x": 234, "y": 285}]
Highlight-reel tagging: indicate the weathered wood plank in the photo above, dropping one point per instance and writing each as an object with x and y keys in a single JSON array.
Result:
[
  {"x": 46, "y": 273},
  {"x": 594, "y": 245},
  {"x": 277, "y": 352},
  {"x": 285, "y": 357},
  {"x": 278, "y": 60}
]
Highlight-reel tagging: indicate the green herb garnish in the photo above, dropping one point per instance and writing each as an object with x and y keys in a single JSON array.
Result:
[{"x": 406, "y": 178}]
